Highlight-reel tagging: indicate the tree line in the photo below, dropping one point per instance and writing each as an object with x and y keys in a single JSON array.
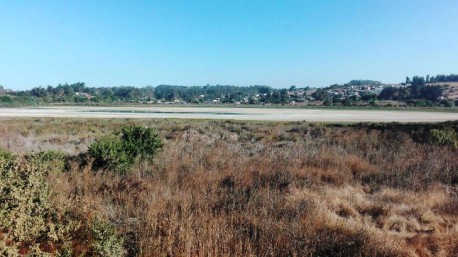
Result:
[
  {"x": 80, "y": 93},
  {"x": 415, "y": 88},
  {"x": 432, "y": 79}
]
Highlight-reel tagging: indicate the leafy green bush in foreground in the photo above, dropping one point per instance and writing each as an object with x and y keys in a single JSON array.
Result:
[
  {"x": 119, "y": 152},
  {"x": 30, "y": 225},
  {"x": 28, "y": 221},
  {"x": 107, "y": 242}
]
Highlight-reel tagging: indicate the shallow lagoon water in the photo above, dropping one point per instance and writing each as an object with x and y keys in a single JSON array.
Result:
[{"x": 268, "y": 114}]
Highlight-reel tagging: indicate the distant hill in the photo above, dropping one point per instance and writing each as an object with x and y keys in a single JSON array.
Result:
[{"x": 360, "y": 82}]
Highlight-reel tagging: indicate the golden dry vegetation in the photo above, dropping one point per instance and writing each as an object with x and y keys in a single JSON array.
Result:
[
  {"x": 450, "y": 89},
  {"x": 227, "y": 188}
]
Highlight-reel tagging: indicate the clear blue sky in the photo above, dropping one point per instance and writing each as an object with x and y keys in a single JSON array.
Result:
[{"x": 191, "y": 42}]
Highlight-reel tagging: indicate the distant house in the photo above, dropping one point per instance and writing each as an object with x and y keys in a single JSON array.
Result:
[{"x": 88, "y": 96}]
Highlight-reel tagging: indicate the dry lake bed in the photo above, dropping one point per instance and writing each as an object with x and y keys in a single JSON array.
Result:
[{"x": 270, "y": 114}]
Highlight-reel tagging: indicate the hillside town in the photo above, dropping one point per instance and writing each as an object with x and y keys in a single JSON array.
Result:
[{"x": 432, "y": 91}]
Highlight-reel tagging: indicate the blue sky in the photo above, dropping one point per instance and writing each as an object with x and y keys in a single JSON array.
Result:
[{"x": 277, "y": 43}]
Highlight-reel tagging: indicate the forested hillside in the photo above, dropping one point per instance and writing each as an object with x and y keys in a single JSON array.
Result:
[{"x": 418, "y": 91}]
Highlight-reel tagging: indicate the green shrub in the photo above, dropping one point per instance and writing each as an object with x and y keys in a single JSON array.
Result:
[
  {"x": 447, "y": 103},
  {"x": 106, "y": 241},
  {"x": 108, "y": 152},
  {"x": 420, "y": 103},
  {"x": 6, "y": 101},
  {"x": 49, "y": 161},
  {"x": 128, "y": 146},
  {"x": 447, "y": 136},
  {"x": 31, "y": 226},
  {"x": 140, "y": 143},
  {"x": 27, "y": 218},
  {"x": 5, "y": 155}
]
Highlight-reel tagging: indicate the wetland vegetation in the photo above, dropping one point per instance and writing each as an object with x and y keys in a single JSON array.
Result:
[{"x": 230, "y": 188}]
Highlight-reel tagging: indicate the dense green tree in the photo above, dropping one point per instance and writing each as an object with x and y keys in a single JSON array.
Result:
[
  {"x": 319, "y": 94},
  {"x": 389, "y": 93},
  {"x": 284, "y": 96},
  {"x": 418, "y": 81},
  {"x": 360, "y": 82},
  {"x": 368, "y": 96},
  {"x": 275, "y": 98},
  {"x": 432, "y": 93}
]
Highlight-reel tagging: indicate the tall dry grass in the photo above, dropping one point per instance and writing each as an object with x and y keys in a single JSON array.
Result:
[{"x": 264, "y": 189}]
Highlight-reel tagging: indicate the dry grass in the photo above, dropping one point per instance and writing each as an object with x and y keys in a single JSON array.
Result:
[
  {"x": 450, "y": 89},
  {"x": 262, "y": 189}
]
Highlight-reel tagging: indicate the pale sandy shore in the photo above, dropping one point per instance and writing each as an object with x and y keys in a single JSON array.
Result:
[{"x": 271, "y": 114}]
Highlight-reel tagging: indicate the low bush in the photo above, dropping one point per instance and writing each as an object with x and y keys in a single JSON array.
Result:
[
  {"x": 107, "y": 243},
  {"x": 108, "y": 153},
  {"x": 49, "y": 161},
  {"x": 128, "y": 146},
  {"x": 28, "y": 222},
  {"x": 447, "y": 103},
  {"x": 446, "y": 136},
  {"x": 139, "y": 142},
  {"x": 30, "y": 225},
  {"x": 5, "y": 155}
]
